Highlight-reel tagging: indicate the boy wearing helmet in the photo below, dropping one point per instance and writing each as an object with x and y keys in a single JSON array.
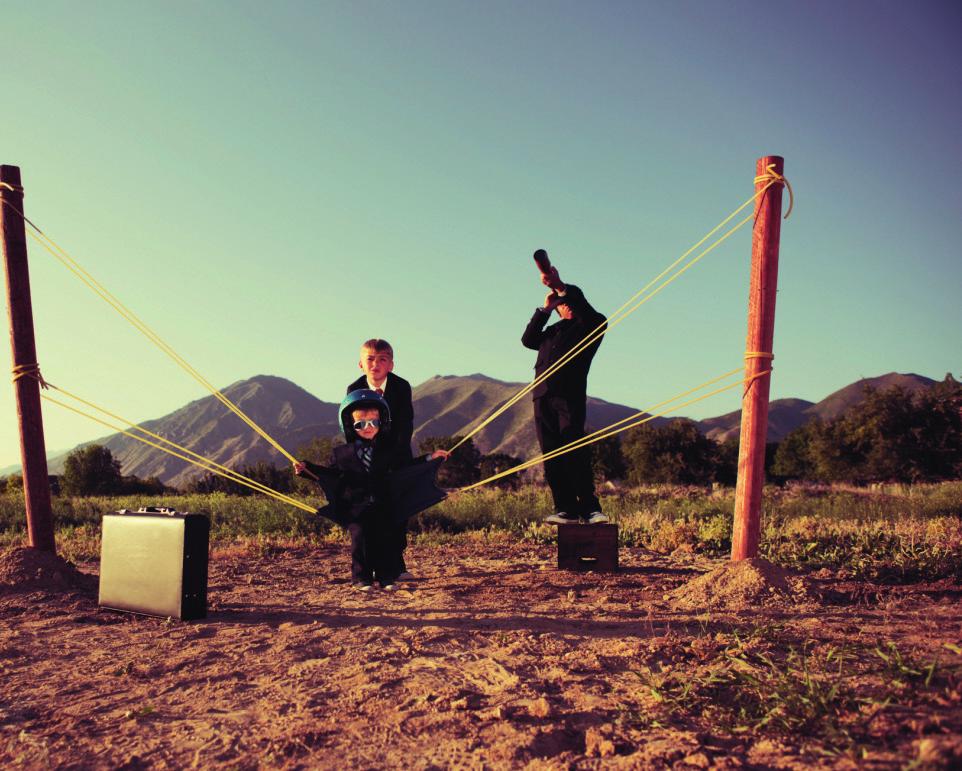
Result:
[
  {"x": 361, "y": 495},
  {"x": 376, "y": 361}
]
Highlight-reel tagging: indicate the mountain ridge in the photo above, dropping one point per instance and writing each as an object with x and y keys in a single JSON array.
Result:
[{"x": 444, "y": 405}]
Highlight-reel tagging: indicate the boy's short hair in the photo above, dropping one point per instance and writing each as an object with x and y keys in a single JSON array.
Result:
[{"x": 378, "y": 345}]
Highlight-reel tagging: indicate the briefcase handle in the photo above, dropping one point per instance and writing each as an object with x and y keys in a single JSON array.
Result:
[{"x": 152, "y": 510}]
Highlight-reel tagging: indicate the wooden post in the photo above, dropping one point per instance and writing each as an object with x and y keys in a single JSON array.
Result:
[
  {"x": 36, "y": 483},
  {"x": 761, "y": 329}
]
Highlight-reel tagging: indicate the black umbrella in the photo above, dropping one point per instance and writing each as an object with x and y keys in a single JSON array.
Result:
[
  {"x": 414, "y": 489},
  {"x": 328, "y": 479}
]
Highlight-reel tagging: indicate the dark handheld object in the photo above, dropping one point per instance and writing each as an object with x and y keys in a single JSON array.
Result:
[
  {"x": 414, "y": 489},
  {"x": 542, "y": 261},
  {"x": 329, "y": 479}
]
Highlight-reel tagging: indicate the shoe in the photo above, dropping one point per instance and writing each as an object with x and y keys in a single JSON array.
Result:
[
  {"x": 596, "y": 518},
  {"x": 560, "y": 518},
  {"x": 406, "y": 576},
  {"x": 363, "y": 587}
]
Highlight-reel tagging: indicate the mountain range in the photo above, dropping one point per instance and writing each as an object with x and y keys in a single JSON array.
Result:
[
  {"x": 785, "y": 415},
  {"x": 444, "y": 405}
]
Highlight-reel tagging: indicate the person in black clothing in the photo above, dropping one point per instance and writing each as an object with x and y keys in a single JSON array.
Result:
[
  {"x": 377, "y": 362},
  {"x": 560, "y": 401},
  {"x": 360, "y": 496}
]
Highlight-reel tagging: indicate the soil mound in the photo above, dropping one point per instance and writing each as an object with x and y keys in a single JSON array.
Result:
[
  {"x": 739, "y": 586},
  {"x": 26, "y": 568}
]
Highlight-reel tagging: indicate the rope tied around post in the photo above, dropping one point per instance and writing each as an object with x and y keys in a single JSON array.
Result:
[
  {"x": 29, "y": 370},
  {"x": 757, "y": 355},
  {"x": 751, "y": 381},
  {"x": 773, "y": 177},
  {"x": 12, "y": 188}
]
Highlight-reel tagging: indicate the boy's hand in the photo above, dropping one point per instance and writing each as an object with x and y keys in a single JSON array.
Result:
[
  {"x": 551, "y": 300},
  {"x": 301, "y": 470},
  {"x": 442, "y": 454},
  {"x": 552, "y": 279}
]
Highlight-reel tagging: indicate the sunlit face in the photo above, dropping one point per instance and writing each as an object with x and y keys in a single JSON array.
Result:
[
  {"x": 564, "y": 310},
  {"x": 367, "y": 413},
  {"x": 376, "y": 364}
]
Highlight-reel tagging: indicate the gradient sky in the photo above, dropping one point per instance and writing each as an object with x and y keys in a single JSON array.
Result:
[{"x": 267, "y": 185}]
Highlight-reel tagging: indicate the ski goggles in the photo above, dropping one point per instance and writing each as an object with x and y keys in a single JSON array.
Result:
[{"x": 360, "y": 425}]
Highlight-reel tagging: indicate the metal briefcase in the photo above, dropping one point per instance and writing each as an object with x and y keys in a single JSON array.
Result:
[{"x": 154, "y": 561}]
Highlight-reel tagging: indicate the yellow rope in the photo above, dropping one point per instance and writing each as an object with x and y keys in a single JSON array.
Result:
[
  {"x": 203, "y": 462},
  {"x": 208, "y": 465},
  {"x": 771, "y": 176},
  {"x": 33, "y": 370},
  {"x": 604, "y": 433},
  {"x": 614, "y": 319},
  {"x": 74, "y": 267},
  {"x": 29, "y": 370},
  {"x": 756, "y": 355},
  {"x": 640, "y": 413}
]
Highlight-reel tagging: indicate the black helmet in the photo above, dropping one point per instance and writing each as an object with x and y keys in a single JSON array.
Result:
[{"x": 363, "y": 398}]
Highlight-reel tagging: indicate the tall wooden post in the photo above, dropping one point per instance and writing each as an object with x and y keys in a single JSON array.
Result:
[
  {"x": 36, "y": 483},
  {"x": 758, "y": 348}
]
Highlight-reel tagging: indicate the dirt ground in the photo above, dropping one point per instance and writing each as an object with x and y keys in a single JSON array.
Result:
[{"x": 494, "y": 658}]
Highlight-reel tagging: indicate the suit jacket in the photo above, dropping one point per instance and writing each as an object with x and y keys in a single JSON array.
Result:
[
  {"x": 398, "y": 397},
  {"x": 571, "y": 379}
]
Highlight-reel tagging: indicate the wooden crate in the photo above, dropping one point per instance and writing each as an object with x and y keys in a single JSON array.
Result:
[{"x": 588, "y": 547}]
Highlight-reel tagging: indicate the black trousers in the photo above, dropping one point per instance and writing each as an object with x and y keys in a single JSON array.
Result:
[
  {"x": 375, "y": 547},
  {"x": 402, "y": 543},
  {"x": 558, "y": 421}
]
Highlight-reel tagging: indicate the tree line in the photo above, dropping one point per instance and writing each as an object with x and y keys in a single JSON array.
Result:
[{"x": 892, "y": 435}]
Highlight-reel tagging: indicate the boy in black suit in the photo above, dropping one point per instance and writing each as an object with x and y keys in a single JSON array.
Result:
[
  {"x": 358, "y": 484},
  {"x": 377, "y": 363},
  {"x": 560, "y": 401}
]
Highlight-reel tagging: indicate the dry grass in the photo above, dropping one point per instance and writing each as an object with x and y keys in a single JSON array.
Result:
[{"x": 892, "y": 533}]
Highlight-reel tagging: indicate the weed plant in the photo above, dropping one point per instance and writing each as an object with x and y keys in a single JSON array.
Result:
[{"x": 749, "y": 682}]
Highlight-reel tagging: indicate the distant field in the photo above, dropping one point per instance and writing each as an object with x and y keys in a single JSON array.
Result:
[{"x": 892, "y": 533}]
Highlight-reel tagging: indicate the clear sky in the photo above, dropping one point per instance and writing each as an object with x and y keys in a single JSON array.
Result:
[{"x": 268, "y": 184}]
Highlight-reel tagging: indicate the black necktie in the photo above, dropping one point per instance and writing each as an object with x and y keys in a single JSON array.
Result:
[{"x": 367, "y": 456}]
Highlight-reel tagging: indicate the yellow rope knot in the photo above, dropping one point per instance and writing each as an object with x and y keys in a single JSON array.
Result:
[
  {"x": 29, "y": 370},
  {"x": 12, "y": 188},
  {"x": 753, "y": 378},
  {"x": 751, "y": 381},
  {"x": 773, "y": 176}
]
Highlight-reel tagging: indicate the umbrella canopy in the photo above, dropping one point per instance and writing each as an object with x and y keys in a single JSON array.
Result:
[{"x": 414, "y": 489}]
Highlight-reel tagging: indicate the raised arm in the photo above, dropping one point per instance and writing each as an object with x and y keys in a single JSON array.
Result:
[{"x": 534, "y": 333}]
